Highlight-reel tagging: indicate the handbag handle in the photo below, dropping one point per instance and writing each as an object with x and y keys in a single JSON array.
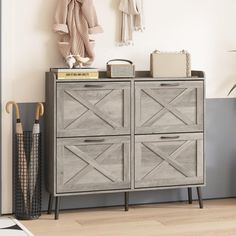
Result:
[
  {"x": 123, "y": 60},
  {"x": 182, "y": 51}
]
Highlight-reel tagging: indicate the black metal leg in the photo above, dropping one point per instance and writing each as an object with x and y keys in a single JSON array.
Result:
[
  {"x": 190, "y": 198},
  {"x": 199, "y": 193},
  {"x": 126, "y": 201},
  {"x": 50, "y": 204},
  {"x": 57, "y": 208}
]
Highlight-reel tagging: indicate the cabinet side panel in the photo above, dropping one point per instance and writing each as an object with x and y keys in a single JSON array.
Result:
[{"x": 50, "y": 128}]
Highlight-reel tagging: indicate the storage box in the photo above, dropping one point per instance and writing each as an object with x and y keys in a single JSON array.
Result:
[
  {"x": 120, "y": 68},
  {"x": 170, "y": 64}
]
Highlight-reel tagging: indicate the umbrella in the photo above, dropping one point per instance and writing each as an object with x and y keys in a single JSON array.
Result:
[
  {"x": 34, "y": 155},
  {"x": 22, "y": 161}
]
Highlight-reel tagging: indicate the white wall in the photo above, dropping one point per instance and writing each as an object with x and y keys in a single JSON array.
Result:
[{"x": 206, "y": 28}]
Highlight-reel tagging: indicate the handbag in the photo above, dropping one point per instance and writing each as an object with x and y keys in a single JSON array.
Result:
[{"x": 170, "y": 64}]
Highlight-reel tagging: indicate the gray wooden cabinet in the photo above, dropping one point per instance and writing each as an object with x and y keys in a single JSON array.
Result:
[{"x": 122, "y": 135}]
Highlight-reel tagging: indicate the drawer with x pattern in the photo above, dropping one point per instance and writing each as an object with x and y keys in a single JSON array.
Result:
[
  {"x": 92, "y": 108},
  {"x": 168, "y": 106},
  {"x": 168, "y": 160},
  {"x": 90, "y": 164}
]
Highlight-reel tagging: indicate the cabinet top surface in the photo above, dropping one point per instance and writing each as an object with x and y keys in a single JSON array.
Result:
[{"x": 140, "y": 76}]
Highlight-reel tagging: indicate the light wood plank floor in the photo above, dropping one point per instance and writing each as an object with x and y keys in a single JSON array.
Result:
[{"x": 218, "y": 218}]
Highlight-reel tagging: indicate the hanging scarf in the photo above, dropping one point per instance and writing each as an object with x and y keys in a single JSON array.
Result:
[{"x": 132, "y": 19}]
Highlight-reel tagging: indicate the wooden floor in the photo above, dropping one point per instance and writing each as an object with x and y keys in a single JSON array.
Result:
[{"x": 218, "y": 218}]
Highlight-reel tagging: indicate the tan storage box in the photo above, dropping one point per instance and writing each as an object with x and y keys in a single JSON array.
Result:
[
  {"x": 120, "y": 68},
  {"x": 170, "y": 64}
]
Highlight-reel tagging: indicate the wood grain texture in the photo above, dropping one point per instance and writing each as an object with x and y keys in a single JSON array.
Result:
[
  {"x": 218, "y": 218},
  {"x": 85, "y": 110},
  {"x": 132, "y": 136},
  {"x": 162, "y": 160},
  {"x": 168, "y": 107},
  {"x": 86, "y": 164}
]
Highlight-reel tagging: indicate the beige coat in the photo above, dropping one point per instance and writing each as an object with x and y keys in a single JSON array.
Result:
[{"x": 74, "y": 21}]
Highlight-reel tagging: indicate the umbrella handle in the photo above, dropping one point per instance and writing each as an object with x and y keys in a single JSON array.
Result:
[
  {"x": 16, "y": 107},
  {"x": 39, "y": 110}
]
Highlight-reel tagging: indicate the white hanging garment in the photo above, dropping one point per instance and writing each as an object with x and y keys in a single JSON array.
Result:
[
  {"x": 139, "y": 18},
  {"x": 132, "y": 19}
]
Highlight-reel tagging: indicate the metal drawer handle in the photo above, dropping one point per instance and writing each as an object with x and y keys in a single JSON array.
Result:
[
  {"x": 169, "y": 84},
  {"x": 169, "y": 137},
  {"x": 93, "y": 86},
  {"x": 94, "y": 140}
]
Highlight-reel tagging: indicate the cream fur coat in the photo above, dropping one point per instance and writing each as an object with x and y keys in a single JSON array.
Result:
[{"x": 74, "y": 21}]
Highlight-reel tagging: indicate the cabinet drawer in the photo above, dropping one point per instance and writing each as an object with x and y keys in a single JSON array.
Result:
[
  {"x": 93, "y": 108},
  {"x": 168, "y": 106},
  {"x": 93, "y": 164},
  {"x": 168, "y": 160}
]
